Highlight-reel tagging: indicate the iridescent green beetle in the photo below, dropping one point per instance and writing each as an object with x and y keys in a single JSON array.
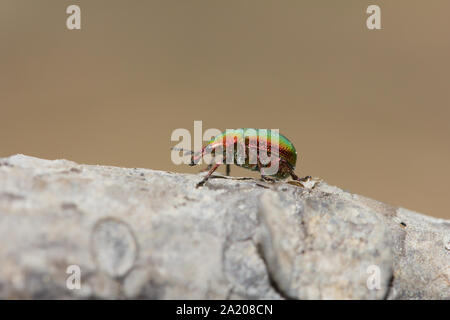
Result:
[{"x": 251, "y": 142}]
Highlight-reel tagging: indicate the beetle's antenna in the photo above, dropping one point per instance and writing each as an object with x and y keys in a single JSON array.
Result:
[
  {"x": 189, "y": 152},
  {"x": 186, "y": 152}
]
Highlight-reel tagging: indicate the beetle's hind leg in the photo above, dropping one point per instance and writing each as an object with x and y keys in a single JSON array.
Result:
[
  {"x": 268, "y": 179},
  {"x": 304, "y": 179},
  {"x": 292, "y": 173}
]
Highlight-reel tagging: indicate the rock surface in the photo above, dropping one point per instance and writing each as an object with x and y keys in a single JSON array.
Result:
[{"x": 139, "y": 233}]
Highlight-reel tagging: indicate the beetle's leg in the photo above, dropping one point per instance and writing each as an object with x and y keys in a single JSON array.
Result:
[
  {"x": 292, "y": 173},
  {"x": 211, "y": 171},
  {"x": 228, "y": 168},
  {"x": 226, "y": 145},
  {"x": 214, "y": 167},
  {"x": 268, "y": 179},
  {"x": 207, "y": 168},
  {"x": 261, "y": 171},
  {"x": 295, "y": 177}
]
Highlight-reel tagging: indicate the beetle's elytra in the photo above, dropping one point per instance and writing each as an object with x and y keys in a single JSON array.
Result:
[{"x": 253, "y": 140}]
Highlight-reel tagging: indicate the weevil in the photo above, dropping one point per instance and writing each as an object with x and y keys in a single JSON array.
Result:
[{"x": 253, "y": 140}]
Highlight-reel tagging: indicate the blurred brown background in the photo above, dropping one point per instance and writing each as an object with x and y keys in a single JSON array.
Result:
[{"x": 367, "y": 110}]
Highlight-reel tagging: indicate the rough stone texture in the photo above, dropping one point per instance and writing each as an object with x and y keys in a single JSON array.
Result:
[{"x": 138, "y": 233}]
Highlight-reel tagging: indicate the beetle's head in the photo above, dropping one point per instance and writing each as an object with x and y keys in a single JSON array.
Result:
[{"x": 196, "y": 156}]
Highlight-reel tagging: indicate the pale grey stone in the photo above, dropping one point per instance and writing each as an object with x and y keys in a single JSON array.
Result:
[{"x": 139, "y": 233}]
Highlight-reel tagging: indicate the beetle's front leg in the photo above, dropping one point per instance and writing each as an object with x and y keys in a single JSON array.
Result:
[
  {"x": 228, "y": 169},
  {"x": 211, "y": 171},
  {"x": 207, "y": 168}
]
